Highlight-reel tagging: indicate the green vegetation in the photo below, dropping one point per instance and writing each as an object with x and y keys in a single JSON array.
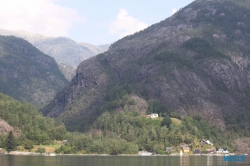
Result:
[
  {"x": 10, "y": 142},
  {"x": 116, "y": 131},
  {"x": 202, "y": 48},
  {"x": 118, "y": 97},
  {"x": 126, "y": 132},
  {"x": 30, "y": 127}
]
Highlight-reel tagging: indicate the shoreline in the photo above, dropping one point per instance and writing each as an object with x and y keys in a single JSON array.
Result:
[{"x": 20, "y": 153}]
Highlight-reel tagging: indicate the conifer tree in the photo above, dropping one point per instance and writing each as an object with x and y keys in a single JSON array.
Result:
[{"x": 10, "y": 142}]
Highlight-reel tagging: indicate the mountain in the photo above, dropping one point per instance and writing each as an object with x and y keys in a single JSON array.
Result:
[
  {"x": 67, "y": 53},
  {"x": 64, "y": 50},
  {"x": 194, "y": 63},
  {"x": 27, "y": 74}
]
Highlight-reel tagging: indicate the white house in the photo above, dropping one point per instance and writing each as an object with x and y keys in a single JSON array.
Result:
[
  {"x": 209, "y": 143},
  {"x": 154, "y": 116},
  {"x": 206, "y": 142}
]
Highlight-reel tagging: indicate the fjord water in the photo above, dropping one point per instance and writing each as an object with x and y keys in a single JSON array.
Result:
[{"x": 12, "y": 160}]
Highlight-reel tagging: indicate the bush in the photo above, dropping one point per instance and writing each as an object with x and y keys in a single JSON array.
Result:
[
  {"x": 40, "y": 150},
  {"x": 28, "y": 144},
  {"x": 166, "y": 121}
]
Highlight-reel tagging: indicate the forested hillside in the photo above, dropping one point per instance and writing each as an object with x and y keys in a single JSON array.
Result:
[{"x": 27, "y": 124}]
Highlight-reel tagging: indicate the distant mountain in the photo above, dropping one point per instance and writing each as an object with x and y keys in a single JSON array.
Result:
[
  {"x": 27, "y": 74},
  {"x": 65, "y": 51},
  {"x": 195, "y": 62}
]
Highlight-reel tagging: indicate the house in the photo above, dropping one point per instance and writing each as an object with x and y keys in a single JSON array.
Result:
[
  {"x": 169, "y": 149},
  {"x": 154, "y": 115},
  {"x": 209, "y": 143},
  {"x": 206, "y": 142},
  {"x": 185, "y": 148},
  {"x": 222, "y": 151}
]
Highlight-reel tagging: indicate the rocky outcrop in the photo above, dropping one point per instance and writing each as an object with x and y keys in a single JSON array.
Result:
[{"x": 5, "y": 128}]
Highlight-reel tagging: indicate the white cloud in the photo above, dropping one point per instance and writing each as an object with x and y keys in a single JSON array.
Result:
[
  {"x": 125, "y": 24},
  {"x": 174, "y": 11},
  {"x": 37, "y": 16}
]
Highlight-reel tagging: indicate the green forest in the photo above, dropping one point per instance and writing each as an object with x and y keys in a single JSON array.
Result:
[
  {"x": 123, "y": 131},
  {"x": 29, "y": 125}
]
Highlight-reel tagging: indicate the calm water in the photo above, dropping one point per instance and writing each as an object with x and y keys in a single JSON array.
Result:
[{"x": 10, "y": 160}]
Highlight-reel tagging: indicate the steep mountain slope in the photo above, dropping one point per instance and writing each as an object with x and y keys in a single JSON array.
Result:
[
  {"x": 195, "y": 62},
  {"x": 64, "y": 50},
  {"x": 27, "y": 74}
]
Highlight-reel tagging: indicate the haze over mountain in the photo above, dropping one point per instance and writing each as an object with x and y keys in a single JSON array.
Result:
[
  {"x": 27, "y": 74},
  {"x": 195, "y": 62},
  {"x": 67, "y": 53}
]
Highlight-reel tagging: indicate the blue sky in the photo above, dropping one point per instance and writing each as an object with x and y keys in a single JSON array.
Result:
[{"x": 92, "y": 21}]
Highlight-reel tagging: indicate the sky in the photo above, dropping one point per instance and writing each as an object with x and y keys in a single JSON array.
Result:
[{"x": 92, "y": 21}]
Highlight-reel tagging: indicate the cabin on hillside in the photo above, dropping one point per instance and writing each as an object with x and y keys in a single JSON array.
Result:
[{"x": 206, "y": 142}]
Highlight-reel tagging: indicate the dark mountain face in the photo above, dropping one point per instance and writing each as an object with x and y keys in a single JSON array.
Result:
[
  {"x": 27, "y": 74},
  {"x": 196, "y": 62}
]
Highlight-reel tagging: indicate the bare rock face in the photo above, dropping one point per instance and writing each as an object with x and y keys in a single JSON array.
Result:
[
  {"x": 141, "y": 104},
  {"x": 242, "y": 145},
  {"x": 195, "y": 62},
  {"x": 5, "y": 128}
]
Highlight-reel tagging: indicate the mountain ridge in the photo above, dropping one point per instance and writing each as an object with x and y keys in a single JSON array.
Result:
[
  {"x": 63, "y": 49},
  {"x": 195, "y": 62},
  {"x": 27, "y": 74}
]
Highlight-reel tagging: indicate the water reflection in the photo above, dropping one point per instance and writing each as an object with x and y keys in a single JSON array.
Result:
[
  {"x": 209, "y": 160},
  {"x": 10, "y": 160},
  {"x": 184, "y": 160}
]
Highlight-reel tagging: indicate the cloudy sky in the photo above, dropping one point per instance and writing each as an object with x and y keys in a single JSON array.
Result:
[{"x": 92, "y": 21}]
